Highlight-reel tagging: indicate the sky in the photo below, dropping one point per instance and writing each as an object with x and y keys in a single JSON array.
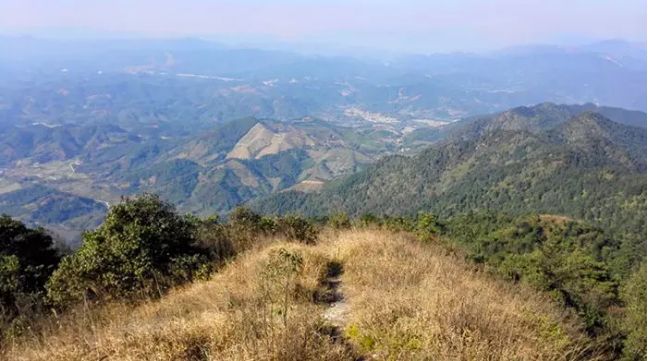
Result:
[{"x": 404, "y": 25}]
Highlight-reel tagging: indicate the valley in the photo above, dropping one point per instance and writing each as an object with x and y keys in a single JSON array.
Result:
[
  {"x": 210, "y": 127},
  {"x": 207, "y": 172},
  {"x": 213, "y": 170}
]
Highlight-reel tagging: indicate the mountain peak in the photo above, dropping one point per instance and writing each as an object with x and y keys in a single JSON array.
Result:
[
  {"x": 530, "y": 118},
  {"x": 590, "y": 125}
]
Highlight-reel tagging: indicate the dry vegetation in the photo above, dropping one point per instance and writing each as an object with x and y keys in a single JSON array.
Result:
[
  {"x": 414, "y": 302},
  {"x": 406, "y": 301}
]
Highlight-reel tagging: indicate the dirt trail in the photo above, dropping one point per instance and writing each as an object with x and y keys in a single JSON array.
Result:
[{"x": 338, "y": 309}]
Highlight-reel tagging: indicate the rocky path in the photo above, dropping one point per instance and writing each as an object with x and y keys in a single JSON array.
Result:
[{"x": 337, "y": 308}]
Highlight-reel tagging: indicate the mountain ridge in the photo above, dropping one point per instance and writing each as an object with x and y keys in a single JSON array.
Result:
[{"x": 586, "y": 167}]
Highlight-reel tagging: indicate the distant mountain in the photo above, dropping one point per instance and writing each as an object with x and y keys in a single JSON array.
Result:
[
  {"x": 247, "y": 158},
  {"x": 203, "y": 172},
  {"x": 541, "y": 117},
  {"x": 44, "y": 143},
  {"x": 538, "y": 159},
  {"x": 212, "y": 169},
  {"x": 63, "y": 213},
  {"x": 171, "y": 83}
]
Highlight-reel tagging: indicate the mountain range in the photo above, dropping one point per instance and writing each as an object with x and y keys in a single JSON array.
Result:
[
  {"x": 202, "y": 172},
  {"x": 526, "y": 158},
  {"x": 548, "y": 158},
  {"x": 209, "y": 127}
]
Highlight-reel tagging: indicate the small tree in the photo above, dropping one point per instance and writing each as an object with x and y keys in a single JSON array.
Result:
[
  {"x": 427, "y": 225},
  {"x": 245, "y": 226},
  {"x": 296, "y": 228},
  {"x": 214, "y": 237},
  {"x": 142, "y": 248},
  {"x": 27, "y": 259},
  {"x": 245, "y": 219}
]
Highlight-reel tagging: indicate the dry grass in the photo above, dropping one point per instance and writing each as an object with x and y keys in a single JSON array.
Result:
[
  {"x": 237, "y": 315},
  {"x": 407, "y": 302},
  {"x": 411, "y": 302}
]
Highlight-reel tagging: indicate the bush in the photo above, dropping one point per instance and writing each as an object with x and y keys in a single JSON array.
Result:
[
  {"x": 296, "y": 228},
  {"x": 633, "y": 294},
  {"x": 141, "y": 249},
  {"x": 27, "y": 259},
  {"x": 399, "y": 224},
  {"x": 215, "y": 239},
  {"x": 244, "y": 219},
  {"x": 427, "y": 224},
  {"x": 339, "y": 221},
  {"x": 369, "y": 219}
]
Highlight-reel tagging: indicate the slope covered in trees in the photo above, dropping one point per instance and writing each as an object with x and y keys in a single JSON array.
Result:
[{"x": 527, "y": 160}]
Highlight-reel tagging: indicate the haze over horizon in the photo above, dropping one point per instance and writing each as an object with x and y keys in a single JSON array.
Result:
[{"x": 410, "y": 26}]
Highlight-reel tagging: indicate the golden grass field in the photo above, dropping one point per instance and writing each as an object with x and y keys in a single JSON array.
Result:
[{"x": 403, "y": 300}]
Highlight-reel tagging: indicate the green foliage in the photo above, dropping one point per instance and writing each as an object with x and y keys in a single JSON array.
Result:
[
  {"x": 549, "y": 253},
  {"x": 297, "y": 228},
  {"x": 367, "y": 342},
  {"x": 9, "y": 279},
  {"x": 523, "y": 161},
  {"x": 247, "y": 225},
  {"x": 277, "y": 281},
  {"x": 27, "y": 259},
  {"x": 339, "y": 220},
  {"x": 633, "y": 294},
  {"x": 396, "y": 224},
  {"x": 579, "y": 265},
  {"x": 141, "y": 249},
  {"x": 574, "y": 262},
  {"x": 427, "y": 225},
  {"x": 368, "y": 220},
  {"x": 214, "y": 238},
  {"x": 245, "y": 219}
]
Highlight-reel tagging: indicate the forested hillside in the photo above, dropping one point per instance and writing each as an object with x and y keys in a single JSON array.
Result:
[
  {"x": 521, "y": 161},
  {"x": 214, "y": 168}
]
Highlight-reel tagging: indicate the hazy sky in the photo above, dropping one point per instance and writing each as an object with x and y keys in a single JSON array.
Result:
[{"x": 398, "y": 25}]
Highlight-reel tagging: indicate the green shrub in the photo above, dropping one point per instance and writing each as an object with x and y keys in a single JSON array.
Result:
[
  {"x": 141, "y": 249},
  {"x": 9, "y": 280},
  {"x": 339, "y": 221},
  {"x": 296, "y": 228},
  {"x": 427, "y": 224},
  {"x": 399, "y": 224},
  {"x": 215, "y": 239},
  {"x": 572, "y": 261},
  {"x": 244, "y": 219},
  {"x": 368, "y": 220},
  {"x": 27, "y": 259},
  {"x": 633, "y": 294}
]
